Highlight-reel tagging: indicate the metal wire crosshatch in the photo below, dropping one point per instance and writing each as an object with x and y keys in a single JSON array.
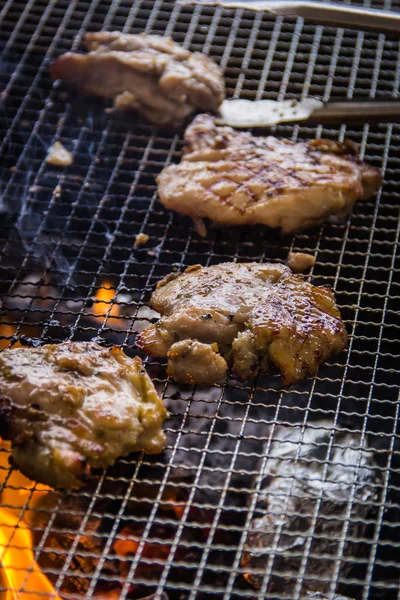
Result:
[{"x": 177, "y": 524}]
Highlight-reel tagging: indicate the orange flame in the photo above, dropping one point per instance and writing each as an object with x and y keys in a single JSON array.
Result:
[
  {"x": 104, "y": 297},
  {"x": 21, "y": 575},
  {"x": 7, "y": 331}
]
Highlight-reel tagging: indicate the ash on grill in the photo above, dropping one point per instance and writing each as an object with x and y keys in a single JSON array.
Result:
[{"x": 313, "y": 480}]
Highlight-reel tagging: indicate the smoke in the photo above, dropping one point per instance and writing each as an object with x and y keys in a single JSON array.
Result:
[{"x": 31, "y": 225}]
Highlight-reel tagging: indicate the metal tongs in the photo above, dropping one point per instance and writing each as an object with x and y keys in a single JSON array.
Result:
[
  {"x": 323, "y": 13},
  {"x": 265, "y": 113},
  {"x": 242, "y": 113}
]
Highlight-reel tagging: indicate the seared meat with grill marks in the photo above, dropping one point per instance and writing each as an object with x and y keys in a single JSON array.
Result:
[
  {"x": 235, "y": 178},
  {"x": 255, "y": 315},
  {"x": 71, "y": 407},
  {"x": 149, "y": 73}
]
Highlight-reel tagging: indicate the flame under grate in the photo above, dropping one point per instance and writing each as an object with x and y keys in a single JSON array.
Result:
[{"x": 177, "y": 524}]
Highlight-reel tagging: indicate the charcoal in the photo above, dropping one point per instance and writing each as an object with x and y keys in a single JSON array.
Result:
[{"x": 68, "y": 511}]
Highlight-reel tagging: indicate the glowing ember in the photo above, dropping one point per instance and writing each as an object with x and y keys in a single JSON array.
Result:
[
  {"x": 126, "y": 546},
  {"x": 171, "y": 502},
  {"x": 21, "y": 575}
]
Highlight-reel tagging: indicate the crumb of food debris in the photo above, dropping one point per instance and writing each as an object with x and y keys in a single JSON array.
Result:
[
  {"x": 13, "y": 169},
  {"x": 141, "y": 239},
  {"x": 300, "y": 262},
  {"x": 199, "y": 226},
  {"x": 59, "y": 156}
]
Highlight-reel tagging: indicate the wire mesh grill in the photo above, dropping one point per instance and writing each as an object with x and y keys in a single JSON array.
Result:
[{"x": 178, "y": 524}]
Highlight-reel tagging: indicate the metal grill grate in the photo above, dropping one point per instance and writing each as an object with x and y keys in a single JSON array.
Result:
[{"x": 178, "y": 523}]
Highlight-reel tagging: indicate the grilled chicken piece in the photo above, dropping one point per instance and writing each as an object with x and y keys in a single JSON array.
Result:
[
  {"x": 258, "y": 314},
  {"x": 71, "y": 407},
  {"x": 235, "y": 178},
  {"x": 190, "y": 361},
  {"x": 149, "y": 73}
]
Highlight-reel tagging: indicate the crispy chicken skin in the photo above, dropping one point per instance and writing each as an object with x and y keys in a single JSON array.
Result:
[
  {"x": 259, "y": 315},
  {"x": 149, "y": 73},
  {"x": 235, "y": 178},
  {"x": 71, "y": 407}
]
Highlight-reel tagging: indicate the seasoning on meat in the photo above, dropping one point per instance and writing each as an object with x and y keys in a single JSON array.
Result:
[
  {"x": 236, "y": 178},
  {"x": 311, "y": 472},
  {"x": 259, "y": 315},
  {"x": 300, "y": 262},
  {"x": 148, "y": 73},
  {"x": 71, "y": 407}
]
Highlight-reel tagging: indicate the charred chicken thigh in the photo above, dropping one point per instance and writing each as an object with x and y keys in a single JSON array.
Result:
[
  {"x": 149, "y": 73},
  {"x": 71, "y": 407},
  {"x": 235, "y": 178},
  {"x": 246, "y": 316}
]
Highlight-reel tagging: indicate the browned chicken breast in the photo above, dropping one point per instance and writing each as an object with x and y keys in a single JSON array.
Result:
[
  {"x": 71, "y": 407},
  {"x": 149, "y": 73},
  {"x": 235, "y": 178},
  {"x": 248, "y": 316}
]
